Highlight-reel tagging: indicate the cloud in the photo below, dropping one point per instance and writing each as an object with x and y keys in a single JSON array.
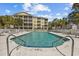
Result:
[
  {"x": 32, "y": 12},
  {"x": 40, "y": 7},
  {"x": 58, "y": 14},
  {"x": 49, "y": 16},
  {"x": 66, "y": 8},
  {"x": 65, "y": 14},
  {"x": 71, "y": 4},
  {"x": 7, "y": 11},
  {"x": 26, "y": 6},
  {"x": 59, "y": 17},
  {"x": 35, "y": 7},
  {"x": 15, "y": 6}
]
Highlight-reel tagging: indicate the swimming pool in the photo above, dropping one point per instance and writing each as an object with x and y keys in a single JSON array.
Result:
[{"x": 39, "y": 40}]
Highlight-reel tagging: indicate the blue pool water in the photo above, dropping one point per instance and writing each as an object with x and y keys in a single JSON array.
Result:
[{"x": 39, "y": 40}]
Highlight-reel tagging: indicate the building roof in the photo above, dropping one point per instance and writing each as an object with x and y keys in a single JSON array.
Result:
[{"x": 23, "y": 13}]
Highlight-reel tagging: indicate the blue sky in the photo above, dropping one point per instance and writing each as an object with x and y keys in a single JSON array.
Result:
[{"x": 49, "y": 10}]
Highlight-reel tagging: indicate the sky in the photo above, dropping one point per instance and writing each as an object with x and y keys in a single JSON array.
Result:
[{"x": 48, "y": 10}]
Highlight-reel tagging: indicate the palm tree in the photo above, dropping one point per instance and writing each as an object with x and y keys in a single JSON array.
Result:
[
  {"x": 58, "y": 23},
  {"x": 49, "y": 25},
  {"x": 18, "y": 22},
  {"x": 8, "y": 20},
  {"x": 74, "y": 15},
  {"x": 75, "y": 7},
  {"x": 1, "y": 22}
]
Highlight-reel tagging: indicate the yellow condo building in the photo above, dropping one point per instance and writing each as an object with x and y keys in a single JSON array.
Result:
[{"x": 31, "y": 22}]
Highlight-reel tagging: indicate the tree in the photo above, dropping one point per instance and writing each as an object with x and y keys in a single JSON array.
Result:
[
  {"x": 74, "y": 15},
  {"x": 1, "y": 22},
  {"x": 7, "y": 21},
  {"x": 58, "y": 23},
  {"x": 50, "y": 25},
  {"x": 18, "y": 21},
  {"x": 75, "y": 7}
]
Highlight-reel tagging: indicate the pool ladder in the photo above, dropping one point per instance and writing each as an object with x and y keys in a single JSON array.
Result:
[
  {"x": 7, "y": 43},
  {"x": 72, "y": 46},
  {"x": 9, "y": 52}
]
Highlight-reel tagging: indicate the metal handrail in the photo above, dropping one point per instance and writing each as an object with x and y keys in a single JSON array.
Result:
[
  {"x": 57, "y": 48},
  {"x": 7, "y": 42},
  {"x": 60, "y": 51},
  {"x": 13, "y": 49},
  {"x": 72, "y": 47}
]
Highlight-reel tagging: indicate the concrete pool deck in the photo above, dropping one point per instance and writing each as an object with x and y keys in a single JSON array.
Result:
[{"x": 28, "y": 51}]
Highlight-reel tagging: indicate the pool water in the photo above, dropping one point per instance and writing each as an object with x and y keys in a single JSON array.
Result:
[{"x": 39, "y": 40}]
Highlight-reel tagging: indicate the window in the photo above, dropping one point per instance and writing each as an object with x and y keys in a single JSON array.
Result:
[
  {"x": 25, "y": 16},
  {"x": 38, "y": 18},
  {"x": 20, "y": 16},
  {"x": 25, "y": 28},
  {"x": 21, "y": 27},
  {"x": 30, "y": 27}
]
